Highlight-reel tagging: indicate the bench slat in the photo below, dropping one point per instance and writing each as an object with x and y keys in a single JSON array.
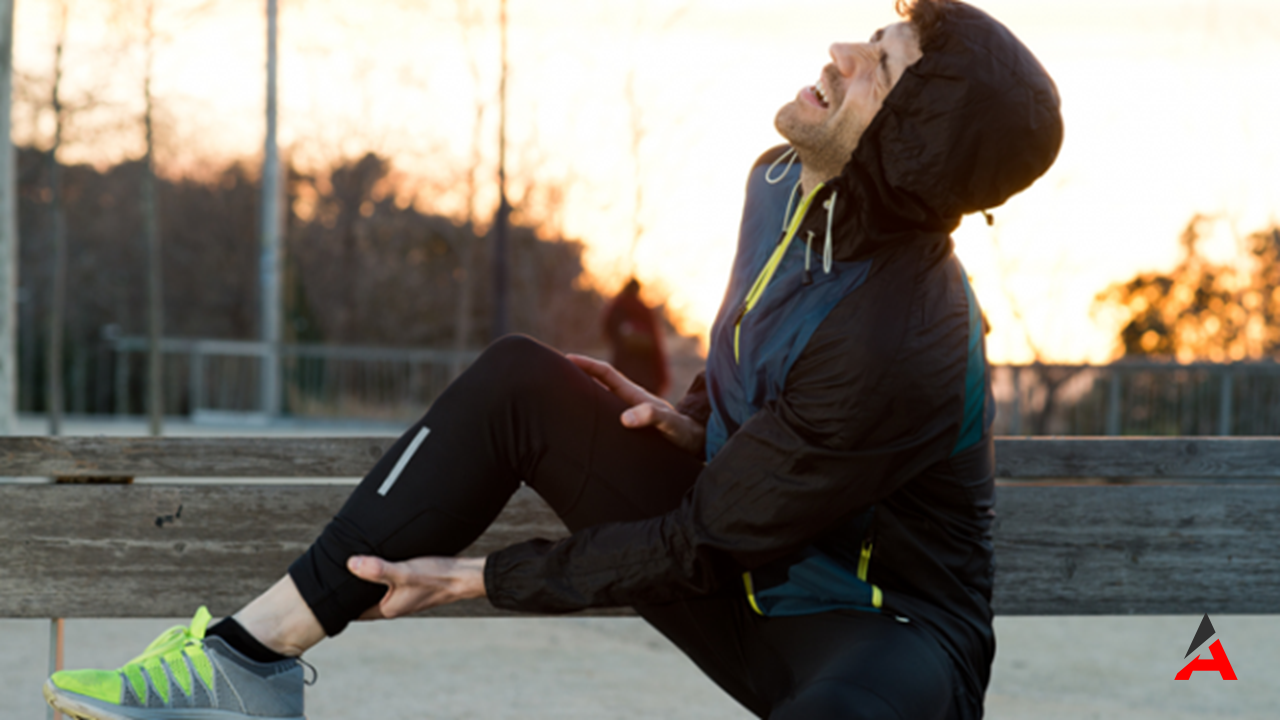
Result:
[
  {"x": 126, "y": 551},
  {"x": 162, "y": 550},
  {"x": 181, "y": 457},
  {"x": 1175, "y": 458},
  {"x": 330, "y": 457},
  {"x": 1154, "y": 550}
]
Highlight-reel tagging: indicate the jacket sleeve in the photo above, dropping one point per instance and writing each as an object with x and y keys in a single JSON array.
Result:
[
  {"x": 857, "y": 420},
  {"x": 695, "y": 403}
]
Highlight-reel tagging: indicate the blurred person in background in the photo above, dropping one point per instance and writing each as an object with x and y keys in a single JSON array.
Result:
[
  {"x": 811, "y": 524},
  {"x": 636, "y": 340}
]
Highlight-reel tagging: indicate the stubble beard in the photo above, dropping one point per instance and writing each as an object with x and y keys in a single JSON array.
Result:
[{"x": 820, "y": 146}]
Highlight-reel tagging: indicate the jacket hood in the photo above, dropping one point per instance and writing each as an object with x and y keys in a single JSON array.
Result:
[{"x": 970, "y": 124}]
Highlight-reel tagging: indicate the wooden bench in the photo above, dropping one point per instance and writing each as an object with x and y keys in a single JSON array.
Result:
[{"x": 1084, "y": 525}]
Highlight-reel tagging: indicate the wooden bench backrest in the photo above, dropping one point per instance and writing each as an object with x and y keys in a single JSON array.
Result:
[{"x": 1063, "y": 547}]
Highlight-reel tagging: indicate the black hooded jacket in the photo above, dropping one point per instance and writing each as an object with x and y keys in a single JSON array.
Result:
[{"x": 857, "y": 428}]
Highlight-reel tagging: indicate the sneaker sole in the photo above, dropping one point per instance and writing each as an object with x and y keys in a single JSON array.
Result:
[{"x": 86, "y": 708}]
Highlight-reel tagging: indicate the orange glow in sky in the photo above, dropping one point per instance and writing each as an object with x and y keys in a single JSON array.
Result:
[{"x": 1171, "y": 109}]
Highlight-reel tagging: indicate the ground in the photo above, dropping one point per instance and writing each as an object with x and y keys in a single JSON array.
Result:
[{"x": 601, "y": 668}]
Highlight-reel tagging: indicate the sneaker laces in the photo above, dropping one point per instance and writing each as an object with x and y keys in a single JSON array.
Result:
[
  {"x": 315, "y": 674},
  {"x": 176, "y": 638}
]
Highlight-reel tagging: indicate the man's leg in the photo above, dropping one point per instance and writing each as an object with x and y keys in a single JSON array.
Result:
[
  {"x": 524, "y": 412},
  {"x": 843, "y": 664},
  {"x": 521, "y": 412},
  {"x": 860, "y": 666}
]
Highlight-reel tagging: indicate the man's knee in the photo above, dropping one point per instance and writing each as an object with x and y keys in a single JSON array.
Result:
[{"x": 517, "y": 364}]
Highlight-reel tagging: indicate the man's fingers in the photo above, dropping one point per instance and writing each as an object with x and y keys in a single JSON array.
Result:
[
  {"x": 636, "y": 417},
  {"x": 602, "y": 371},
  {"x": 395, "y": 604},
  {"x": 614, "y": 381},
  {"x": 373, "y": 613},
  {"x": 642, "y": 415},
  {"x": 675, "y": 427},
  {"x": 373, "y": 569},
  {"x": 595, "y": 368},
  {"x": 663, "y": 419},
  {"x": 590, "y": 367},
  {"x": 417, "y": 584},
  {"x": 588, "y": 364}
]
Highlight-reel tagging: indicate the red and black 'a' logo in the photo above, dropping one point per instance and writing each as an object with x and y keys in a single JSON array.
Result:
[{"x": 1217, "y": 660}]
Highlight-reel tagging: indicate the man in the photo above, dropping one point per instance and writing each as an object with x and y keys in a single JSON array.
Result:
[{"x": 832, "y": 556}]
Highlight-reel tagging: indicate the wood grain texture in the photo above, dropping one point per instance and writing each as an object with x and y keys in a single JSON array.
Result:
[
  {"x": 177, "y": 457},
  {"x": 161, "y": 551},
  {"x": 1137, "y": 550},
  {"x": 1192, "y": 458},
  {"x": 316, "y": 457}
]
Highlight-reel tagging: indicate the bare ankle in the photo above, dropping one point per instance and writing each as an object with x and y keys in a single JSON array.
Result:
[{"x": 281, "y": 620}]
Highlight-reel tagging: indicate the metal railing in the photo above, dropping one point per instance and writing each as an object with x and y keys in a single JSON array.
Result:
[
  {"x": 222, "y": 377},
  {"x": 212, "y": 379},
  {"x": 1138, "y": 398}
]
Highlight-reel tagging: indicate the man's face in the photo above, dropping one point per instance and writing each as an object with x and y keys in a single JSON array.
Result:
[{"x": 826, "y": 119}]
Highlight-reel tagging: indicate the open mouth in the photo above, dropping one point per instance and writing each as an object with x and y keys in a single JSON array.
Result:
[{"x": 820, "y": 92}]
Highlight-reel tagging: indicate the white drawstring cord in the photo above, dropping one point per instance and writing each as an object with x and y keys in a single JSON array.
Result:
[
  {"x": 806, "y": 278},
  {"x": 830, "y": 205},
  {"x": 790, "y": 155},
  {"x": 786, "y": 216}
]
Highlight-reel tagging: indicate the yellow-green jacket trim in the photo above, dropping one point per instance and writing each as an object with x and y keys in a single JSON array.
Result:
[{"x": 766, "y": 274}]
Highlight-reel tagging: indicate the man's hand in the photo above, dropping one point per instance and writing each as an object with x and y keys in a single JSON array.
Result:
[
  {"x": 647, "y": 409},
  {"x": 420, "y": 583}
]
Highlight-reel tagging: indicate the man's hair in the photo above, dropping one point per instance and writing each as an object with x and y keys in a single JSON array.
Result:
[{"x": 925, "y": 16}]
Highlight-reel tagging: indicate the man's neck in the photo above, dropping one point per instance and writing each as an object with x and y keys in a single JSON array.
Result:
[{"x": 814, "y": 173}]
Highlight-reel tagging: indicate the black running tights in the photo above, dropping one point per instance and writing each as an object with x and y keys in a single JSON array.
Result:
[{"x": 523, "y": 413}]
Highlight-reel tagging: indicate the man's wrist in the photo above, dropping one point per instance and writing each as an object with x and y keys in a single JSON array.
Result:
[
  {"x": 470, "y": 579},
  {"x": 696, "y": 434}
]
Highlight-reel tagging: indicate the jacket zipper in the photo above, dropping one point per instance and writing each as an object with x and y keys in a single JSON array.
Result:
[
  {"x": 864, "y": 562},
  {"x": 864, "y": 568},
  {"x": 766, "y": 273}
]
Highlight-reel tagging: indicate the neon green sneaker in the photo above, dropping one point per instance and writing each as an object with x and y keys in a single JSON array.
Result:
[{"x": 182, "y": 676}]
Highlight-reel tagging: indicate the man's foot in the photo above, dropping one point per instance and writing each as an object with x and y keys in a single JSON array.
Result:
[{"x": 182, "y": 676}]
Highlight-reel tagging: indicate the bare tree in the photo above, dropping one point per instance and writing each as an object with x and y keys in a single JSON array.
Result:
[
  {"x": 58, "y": 304},
  {"x": 468, "y": 20},
  {"x": 151, "y": 228},
  {"x": 498, "y": 255},
  {"x": 638, "y": 129},
  {"x": 272, "y": 226},
  {"x": 637, "y": 138},
  {"x": 57, "y": 223}
]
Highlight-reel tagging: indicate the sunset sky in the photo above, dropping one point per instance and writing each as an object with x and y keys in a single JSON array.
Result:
[{"x": 1172, "y": 108}]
